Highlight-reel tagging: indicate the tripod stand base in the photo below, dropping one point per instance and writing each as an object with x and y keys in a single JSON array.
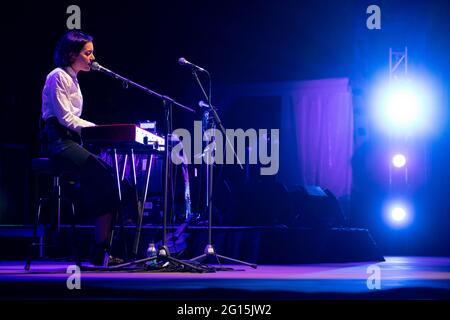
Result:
[
  {"x": 161, "y": 259},
  {"x": 211, "y": 252}
]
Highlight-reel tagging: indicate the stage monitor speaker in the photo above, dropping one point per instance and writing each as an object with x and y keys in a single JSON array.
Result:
[{"x": 313, "y": 207}]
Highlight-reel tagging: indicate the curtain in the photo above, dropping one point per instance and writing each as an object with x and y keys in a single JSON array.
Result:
[
  {"x": 316, "y": 130},
  {"x": 317, "y": 135}
]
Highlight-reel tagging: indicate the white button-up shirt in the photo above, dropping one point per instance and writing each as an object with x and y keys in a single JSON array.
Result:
[{"x": 62, "y": 98}]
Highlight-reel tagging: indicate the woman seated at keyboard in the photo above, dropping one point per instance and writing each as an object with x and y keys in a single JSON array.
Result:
[{"x": 62, "y": 105}]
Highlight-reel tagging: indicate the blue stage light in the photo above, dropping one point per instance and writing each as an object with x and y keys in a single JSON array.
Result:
[
  {"x": 405, "y": 107},
  {"x": 398, "y": 214},
  {"x": 399, "y": 160}
]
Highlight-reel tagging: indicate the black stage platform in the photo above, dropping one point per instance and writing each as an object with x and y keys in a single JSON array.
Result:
[{"x": 399, "y": 278}]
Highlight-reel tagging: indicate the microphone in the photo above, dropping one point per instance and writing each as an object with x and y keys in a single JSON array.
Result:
[
  {"x": 182, "y": 61},
  {"x": 95, "y": 66},
  {"x": 203, "y": 104}
]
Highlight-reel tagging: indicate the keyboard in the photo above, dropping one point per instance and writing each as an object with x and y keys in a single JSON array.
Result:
[{"x": 121, "y": 135}]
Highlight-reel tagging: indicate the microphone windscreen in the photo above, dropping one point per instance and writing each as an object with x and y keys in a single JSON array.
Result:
[
  {"x": 203, "y": 104},
  {"x": 182, "y": 61},
  {"x": 95, "y": 65}
]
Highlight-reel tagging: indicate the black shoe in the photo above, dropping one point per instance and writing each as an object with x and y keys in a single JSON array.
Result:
[
  {"x": 98, "y": 255},
  {"x": 98, "y": 259},
  {"x": 106, "y": 261}
]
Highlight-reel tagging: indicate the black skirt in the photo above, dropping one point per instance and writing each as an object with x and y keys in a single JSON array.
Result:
[{"x": 98, "y": 186}]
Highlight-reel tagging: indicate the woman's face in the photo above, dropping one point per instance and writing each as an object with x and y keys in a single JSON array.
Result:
[{"x": 84, "y": 59}]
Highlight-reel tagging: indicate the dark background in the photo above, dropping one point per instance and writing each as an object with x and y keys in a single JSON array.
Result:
[
  {"x": 254, "y": 41},
  {"x": 238, "y": 42}
]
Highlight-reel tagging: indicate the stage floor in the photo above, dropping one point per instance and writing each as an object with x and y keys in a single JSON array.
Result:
[{"x": 396, "y": 278}]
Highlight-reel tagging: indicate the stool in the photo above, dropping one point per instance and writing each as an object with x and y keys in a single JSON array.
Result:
[{"x": 47, "y": 166}]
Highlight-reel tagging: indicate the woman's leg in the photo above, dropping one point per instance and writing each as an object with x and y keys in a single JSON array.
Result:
[
  {"x": 103, "y": 226},
  {"x": 98, "y": 193}
]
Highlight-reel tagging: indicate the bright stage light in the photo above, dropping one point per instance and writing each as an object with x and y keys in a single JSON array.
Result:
[
  {"x": 398, "y": 215},
  {"x": 399, "y": 160},
  {"x": 404, "y": 107}
]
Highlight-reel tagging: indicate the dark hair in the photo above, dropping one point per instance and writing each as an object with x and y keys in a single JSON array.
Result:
[{"x": 69, "y": 46}]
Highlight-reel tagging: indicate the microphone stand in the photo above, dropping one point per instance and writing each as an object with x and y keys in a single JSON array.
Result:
[
  {"x": 163, "y": 254},
  {"x": 210, "y": 251}
]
